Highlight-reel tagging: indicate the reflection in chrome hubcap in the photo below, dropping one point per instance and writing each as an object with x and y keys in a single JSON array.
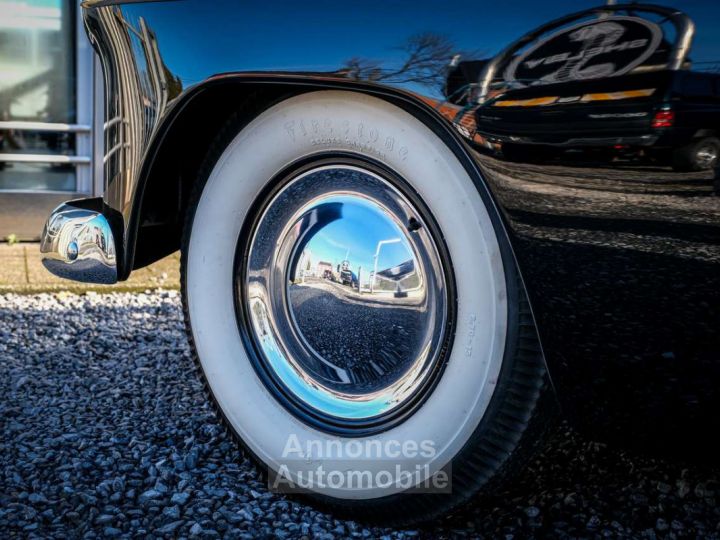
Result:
[{"x": 345, "y": 295}]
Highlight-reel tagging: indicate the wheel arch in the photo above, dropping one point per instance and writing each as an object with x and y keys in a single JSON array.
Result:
[
  {"x": 173, "y": 161},
  {"x": 176, "y": 152}
]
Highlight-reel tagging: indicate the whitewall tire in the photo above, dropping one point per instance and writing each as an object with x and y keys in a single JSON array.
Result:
[{"x": 457, "y": 381}]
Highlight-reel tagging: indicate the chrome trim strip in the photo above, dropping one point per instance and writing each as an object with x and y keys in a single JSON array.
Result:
[{"x": 78, "y": 244}]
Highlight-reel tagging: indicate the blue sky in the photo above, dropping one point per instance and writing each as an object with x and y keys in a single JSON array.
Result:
[
  {"x": 335, "y": 240},
  {"x": 322, "y": 35}
]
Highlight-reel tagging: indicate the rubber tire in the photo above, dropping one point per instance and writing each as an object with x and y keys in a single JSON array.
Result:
[
  {"x": 684, "y": 159},
  {"x": 520, "y": 414}
]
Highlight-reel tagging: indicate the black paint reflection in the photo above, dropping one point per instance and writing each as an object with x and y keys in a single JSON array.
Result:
[
  {"x": 666, "y": 118},
  {"x": 598, "y": 145},
  {"x": 601, "y": 144}
]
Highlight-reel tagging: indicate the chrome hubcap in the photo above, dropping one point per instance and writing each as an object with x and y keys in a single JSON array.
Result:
[{"x": 345, "y": 295}]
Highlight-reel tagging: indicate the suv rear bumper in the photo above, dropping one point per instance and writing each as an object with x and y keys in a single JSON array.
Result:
[
  {"x": 77, "y": 243},
  {"x": 575, "y": 141}
]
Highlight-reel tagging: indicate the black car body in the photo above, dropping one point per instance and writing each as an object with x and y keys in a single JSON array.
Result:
[
  {"x": 644, "y": 315},
  {"x": 619, "y": 260}
]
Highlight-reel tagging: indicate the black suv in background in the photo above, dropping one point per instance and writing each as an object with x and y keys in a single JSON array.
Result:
[{"x": 670, "y": 116}]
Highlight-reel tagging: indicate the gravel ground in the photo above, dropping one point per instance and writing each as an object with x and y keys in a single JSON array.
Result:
[
  {"x": 105, "y": 432},
  {"x": 371, "y": 341}
]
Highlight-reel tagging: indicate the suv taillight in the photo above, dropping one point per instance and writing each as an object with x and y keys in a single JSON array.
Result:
[{"x": 663, "y": 119}]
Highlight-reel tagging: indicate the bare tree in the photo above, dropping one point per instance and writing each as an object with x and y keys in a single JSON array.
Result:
[{"x": 427, "y": 57}]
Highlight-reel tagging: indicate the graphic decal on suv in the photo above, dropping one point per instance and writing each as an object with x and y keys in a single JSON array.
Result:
[{"x": 588, "y": 50}]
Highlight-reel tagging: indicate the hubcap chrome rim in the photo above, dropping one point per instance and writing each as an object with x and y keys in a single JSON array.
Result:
[{"x": 346, "y": 296}]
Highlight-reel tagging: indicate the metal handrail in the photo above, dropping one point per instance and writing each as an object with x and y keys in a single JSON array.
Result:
[
  {"x": 45, "y": 126},
  {"x": 44, "y": 158}
]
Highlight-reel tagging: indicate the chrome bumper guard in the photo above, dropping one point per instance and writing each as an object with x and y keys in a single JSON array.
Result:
[{"x": 77, "y": 243}]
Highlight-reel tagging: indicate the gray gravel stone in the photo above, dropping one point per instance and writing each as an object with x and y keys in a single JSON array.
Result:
[
  {"x": 180, "y": 498},
  {"x": 105, "y": 432}
]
